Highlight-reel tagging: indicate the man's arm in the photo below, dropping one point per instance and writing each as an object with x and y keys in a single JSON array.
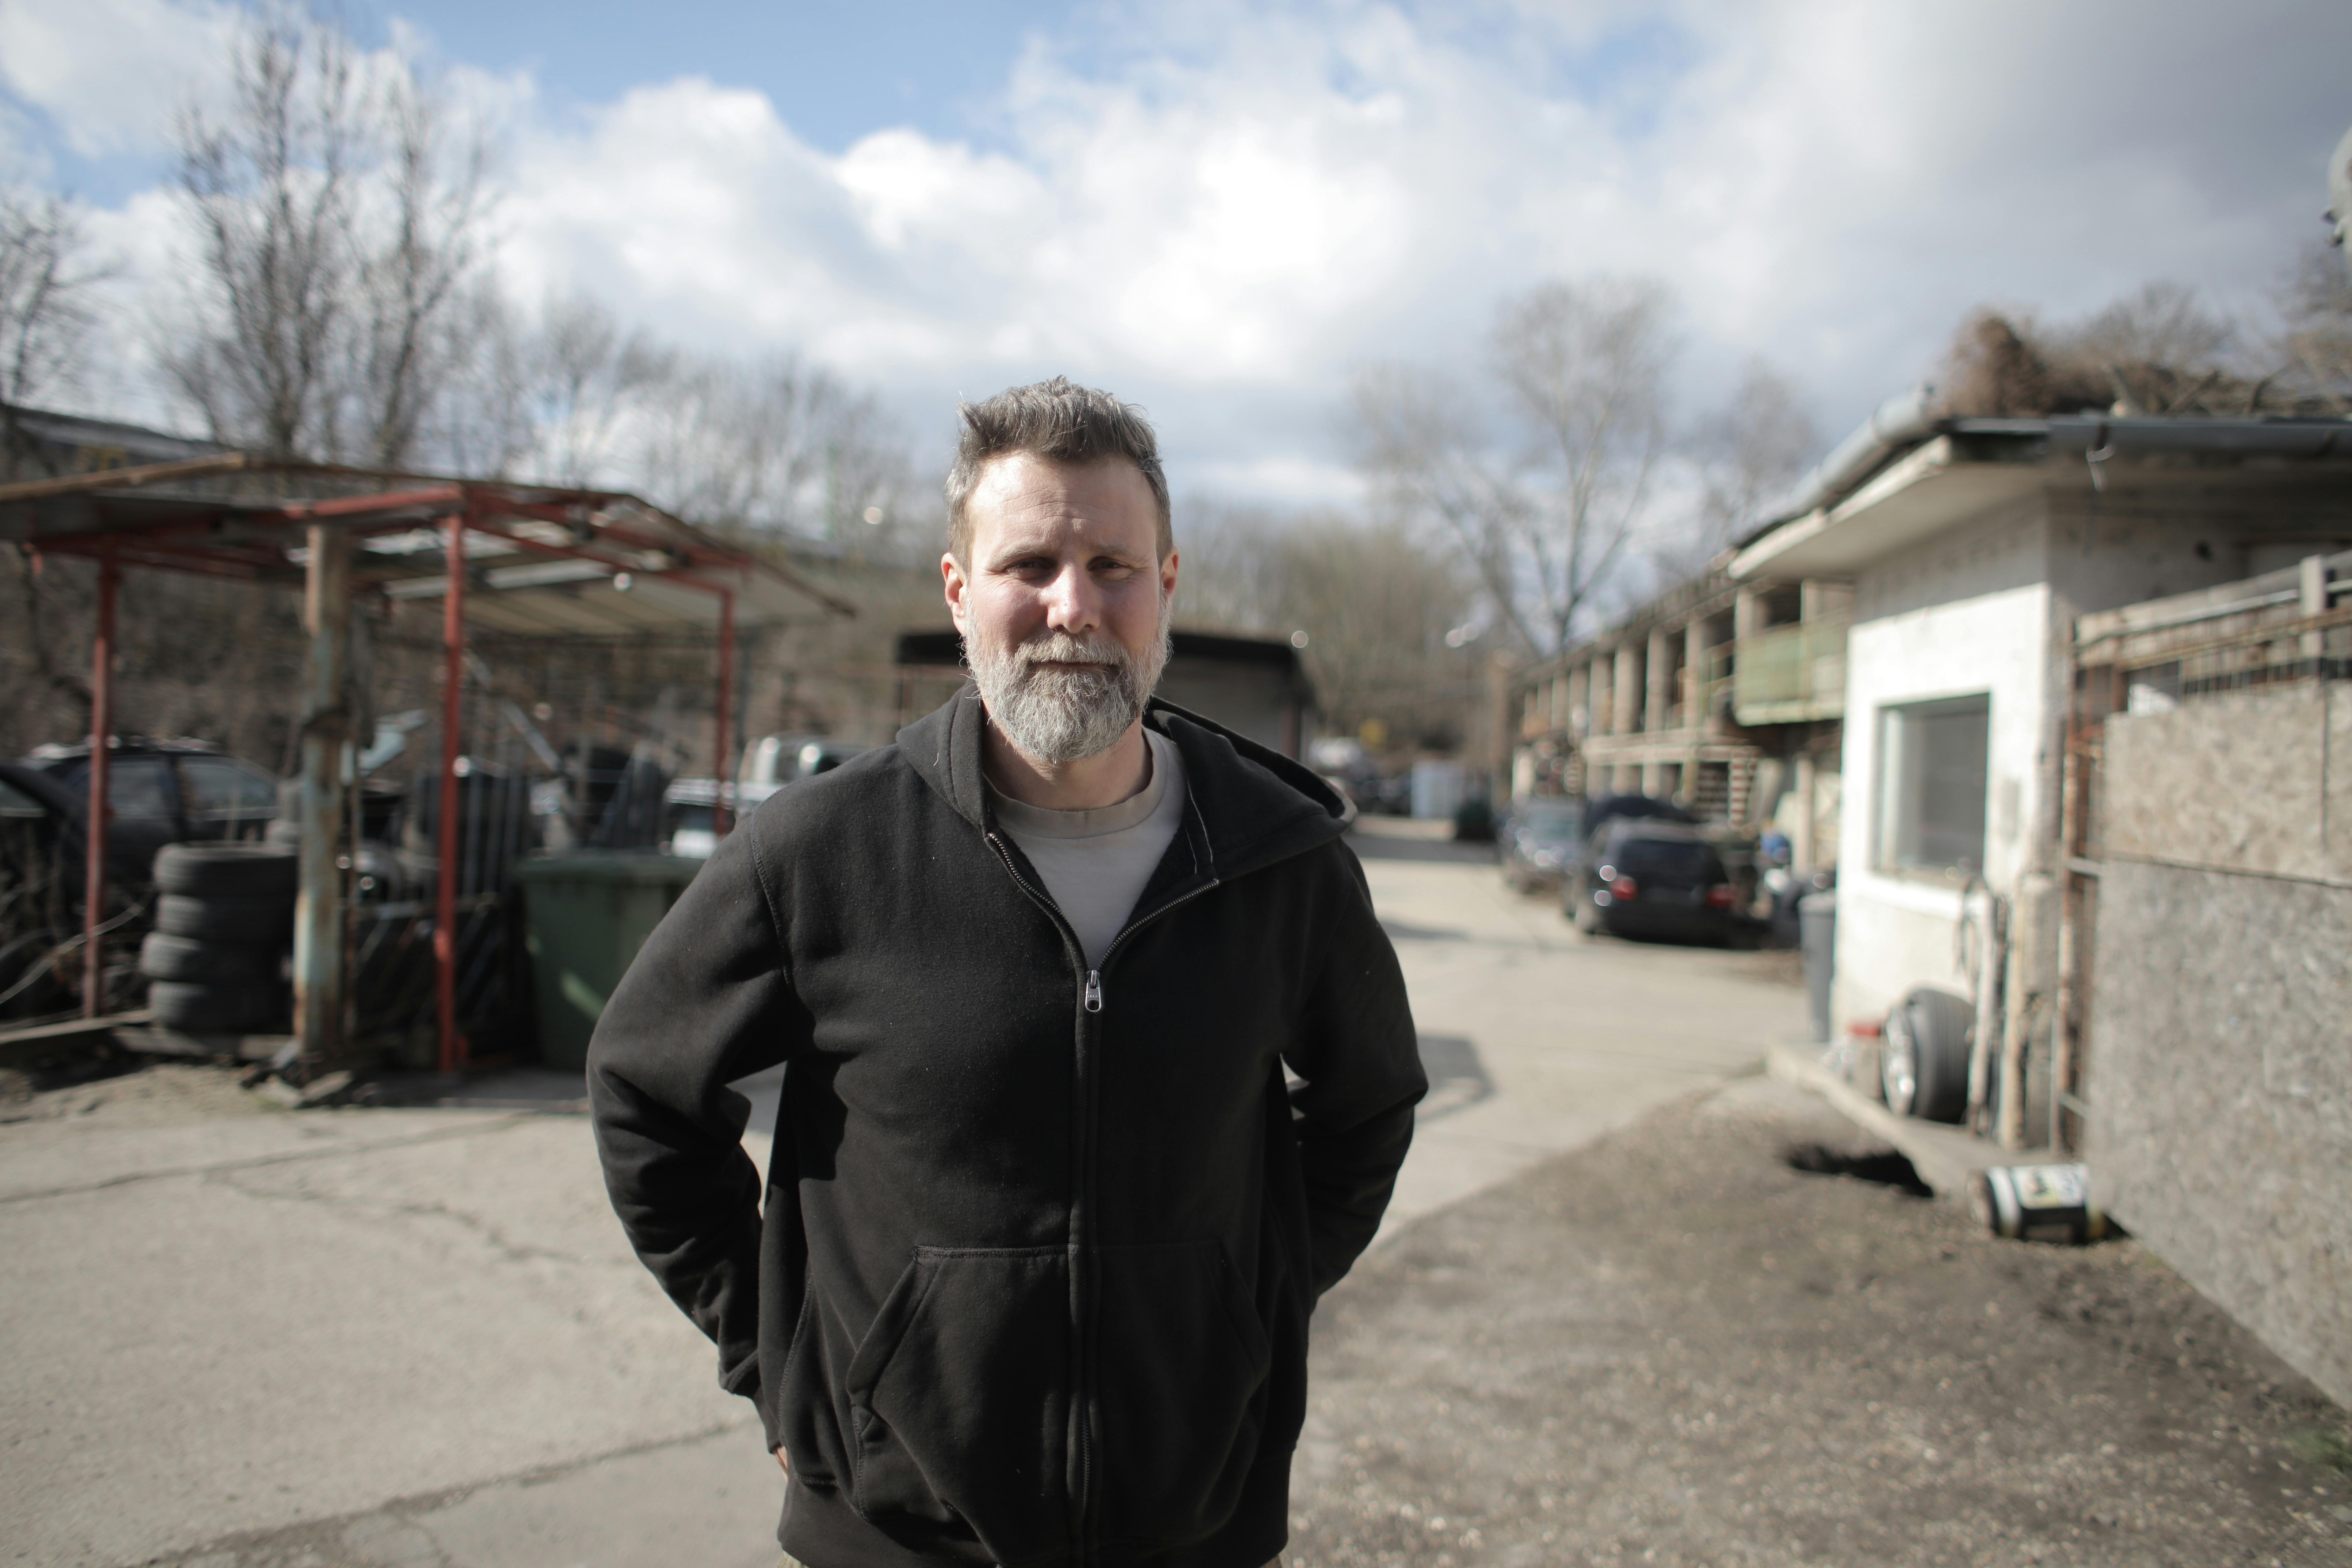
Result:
[
  {"x": 708, "y": 1001},
  {"x": 1359, "y": 1061}
]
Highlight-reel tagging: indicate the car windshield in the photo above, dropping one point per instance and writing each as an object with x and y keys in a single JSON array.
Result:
[
  {"x": 1674, "y": 857},
  {"x": 1559, "y": 824}
]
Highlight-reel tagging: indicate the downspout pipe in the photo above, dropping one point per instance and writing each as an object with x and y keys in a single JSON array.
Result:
[{"x": 1906, "y": 417}]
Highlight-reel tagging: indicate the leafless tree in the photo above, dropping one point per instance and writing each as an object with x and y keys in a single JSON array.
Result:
[
  {"x": 1375, "y": 601},
  {"x": 1545, "y": 493},
  {"x": 1745, "y": 455},
  {"x": 774, "y": 445},
  {"x": 2312, "y": 350},
  {"x": 46, "y": 312},
  {"x": 412, "y": 272},
  {"x": 336, "y": 229}
]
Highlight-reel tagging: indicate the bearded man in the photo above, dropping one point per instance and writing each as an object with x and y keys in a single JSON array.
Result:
[{"x": 1045, "y": 1215}]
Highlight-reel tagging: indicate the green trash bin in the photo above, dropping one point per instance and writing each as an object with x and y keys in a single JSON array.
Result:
[{"x": 584, "y": 917}]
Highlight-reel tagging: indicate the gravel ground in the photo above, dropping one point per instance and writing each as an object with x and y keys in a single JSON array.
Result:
[{"x": 1672, "y": 1347}]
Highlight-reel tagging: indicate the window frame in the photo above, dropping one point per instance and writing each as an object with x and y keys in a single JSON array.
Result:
[{"x": 1898, "y": 826}]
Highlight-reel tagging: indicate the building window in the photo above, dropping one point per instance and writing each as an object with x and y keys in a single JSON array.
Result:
[{"x": 1932, "y": 765}]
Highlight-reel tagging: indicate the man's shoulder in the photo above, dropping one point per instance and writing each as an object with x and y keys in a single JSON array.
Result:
[{"x": 870, "y": 792}]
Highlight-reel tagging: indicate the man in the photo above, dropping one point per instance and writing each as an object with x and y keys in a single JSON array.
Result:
[{"x": 1044, "y": 1221}]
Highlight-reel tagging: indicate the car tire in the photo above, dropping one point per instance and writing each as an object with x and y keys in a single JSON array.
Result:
[
  {"x": 240, "y": 870},
  {"x": 1924, "y": 1056},
  {"x": 227, "y": 1008},
  {"x": 163, "y": 956},
  {"x": 257, "y": 920},
  {"x": 1587, "y": 917}
]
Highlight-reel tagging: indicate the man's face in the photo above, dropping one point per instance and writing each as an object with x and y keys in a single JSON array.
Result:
[{"x": 1063, "y": 607}]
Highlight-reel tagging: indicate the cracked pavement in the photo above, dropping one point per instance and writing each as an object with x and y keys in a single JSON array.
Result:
[{"x": 241, "y": 1337}]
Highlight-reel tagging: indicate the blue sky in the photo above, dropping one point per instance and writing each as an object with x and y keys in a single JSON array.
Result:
[
  {"x": 834, "y": 72},
  {"x": 1225, "y": 210}
]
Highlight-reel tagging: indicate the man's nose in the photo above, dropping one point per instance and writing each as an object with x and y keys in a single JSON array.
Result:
[{"x": 1073, "y": 603}]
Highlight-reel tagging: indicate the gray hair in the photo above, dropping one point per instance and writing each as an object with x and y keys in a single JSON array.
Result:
[{"x": 1059, "y": 422}]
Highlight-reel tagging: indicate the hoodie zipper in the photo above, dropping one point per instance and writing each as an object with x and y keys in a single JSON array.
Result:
[
  {"x": 1081, "y": 1200},
  {"x": 1090, "y": 1001}
]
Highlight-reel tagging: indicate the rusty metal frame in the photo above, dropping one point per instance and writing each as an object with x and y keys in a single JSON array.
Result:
[{"x": 192, "y": 544}]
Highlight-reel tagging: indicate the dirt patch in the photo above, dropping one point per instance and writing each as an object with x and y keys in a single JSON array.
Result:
[
  {"x": 156, "y": 1094},
  {"x": 1673, "y": 1347}
]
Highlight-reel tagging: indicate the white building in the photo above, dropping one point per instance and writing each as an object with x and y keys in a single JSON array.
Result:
[{"x": 1971, "y": 546}]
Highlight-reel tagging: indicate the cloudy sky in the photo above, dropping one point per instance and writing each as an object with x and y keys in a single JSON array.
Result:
[{"x": 1221, "y": 211}]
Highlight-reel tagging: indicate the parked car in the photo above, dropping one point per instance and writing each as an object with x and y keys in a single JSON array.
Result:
[
  {"x": 1540, "y": 843},
  {"x": 691, "y": 813},
  {"x": 1650, "y": 877},
  {"x": 164, "y": 792},
  {"x": 783, "y": 759},
  {"x": 1603, "y": 810}
]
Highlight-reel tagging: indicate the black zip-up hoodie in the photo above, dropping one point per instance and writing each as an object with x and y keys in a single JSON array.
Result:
[{"x": 1040, "y": 1242}]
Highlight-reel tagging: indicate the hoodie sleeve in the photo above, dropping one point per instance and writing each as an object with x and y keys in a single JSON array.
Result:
[
  {"x": 1359, "y": 1064},
  {"x": 708, "y": 1001}
]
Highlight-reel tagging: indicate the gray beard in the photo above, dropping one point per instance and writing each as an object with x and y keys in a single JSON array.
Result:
[{"x": 1066, "y": 715}]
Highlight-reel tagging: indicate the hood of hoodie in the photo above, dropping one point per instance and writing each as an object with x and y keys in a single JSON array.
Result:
[{"x": 1254, "y": 805}]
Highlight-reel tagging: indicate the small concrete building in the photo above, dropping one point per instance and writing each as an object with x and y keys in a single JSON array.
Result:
[{"x": 1969, "y": 548}]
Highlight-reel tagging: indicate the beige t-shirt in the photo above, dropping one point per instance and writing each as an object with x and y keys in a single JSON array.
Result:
[{"x": 1095, "y": 863}]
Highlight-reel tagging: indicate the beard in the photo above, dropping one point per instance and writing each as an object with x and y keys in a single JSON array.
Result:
[{"x": 1066, "y": 715}]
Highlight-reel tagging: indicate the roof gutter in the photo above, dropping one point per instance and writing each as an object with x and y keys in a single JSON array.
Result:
[{"x": 1901, "y": 421}]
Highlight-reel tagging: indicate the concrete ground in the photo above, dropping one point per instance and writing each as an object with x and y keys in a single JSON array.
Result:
[{"x": 247, "y": 1338}]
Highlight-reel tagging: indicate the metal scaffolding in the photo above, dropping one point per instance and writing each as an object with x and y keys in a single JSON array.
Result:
[{"x": 528, "y": 560}]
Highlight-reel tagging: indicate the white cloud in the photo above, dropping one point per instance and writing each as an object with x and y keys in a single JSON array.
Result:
[
  {"x": 1220, "y": 210},
  {"x": 111, "y": 74}
]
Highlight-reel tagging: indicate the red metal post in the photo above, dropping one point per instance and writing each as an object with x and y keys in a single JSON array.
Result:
[
  {"x": 722, "y": 811},
  {"x": 101, "y": 740},
  {"x": 445, "y": 892}
]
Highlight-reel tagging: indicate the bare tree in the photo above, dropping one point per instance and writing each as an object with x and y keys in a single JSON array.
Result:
[
  {"x": 2312, "y": 347},
  {"x": 1376, "y": 604},
  {"x": 46, "y": 315},
  {"x": 336, "y": 230},
  {"x": 1544, "y": 494},
  {"x": 774, "y": 447},
  {"x": 411, "y": 276},
  {"x": 1745, "y": 454}
]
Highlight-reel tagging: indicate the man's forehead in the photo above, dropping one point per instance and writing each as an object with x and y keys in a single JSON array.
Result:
[{"x": 1023, "y": 499}]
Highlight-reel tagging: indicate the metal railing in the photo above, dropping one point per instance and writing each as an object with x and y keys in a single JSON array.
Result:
[{"x": 1792, "y": 674}]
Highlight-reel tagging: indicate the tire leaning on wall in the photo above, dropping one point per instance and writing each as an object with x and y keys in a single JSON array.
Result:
[{"x": 1924, "y": 1054}]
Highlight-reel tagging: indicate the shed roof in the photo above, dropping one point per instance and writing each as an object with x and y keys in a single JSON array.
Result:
[
  {"x": 1963, "y": 465},
  {"x": 540, "y": 560}
]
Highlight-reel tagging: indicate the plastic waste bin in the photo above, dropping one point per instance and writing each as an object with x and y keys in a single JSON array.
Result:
[
  {"x": 1817, "y": 919},
  {"x": 584, "y": 916}
]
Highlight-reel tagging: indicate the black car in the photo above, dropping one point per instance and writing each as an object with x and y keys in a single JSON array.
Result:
[
  {"x": 1540, "y": 843},
  {"x": 162, "y": 791},
  {"x": 1644, "y": 877}
]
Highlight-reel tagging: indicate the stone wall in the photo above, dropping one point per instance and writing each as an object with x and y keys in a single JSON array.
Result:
[{"x": 2219, "y": 1024}]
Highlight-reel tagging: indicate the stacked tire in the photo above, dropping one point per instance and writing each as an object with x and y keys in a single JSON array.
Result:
[{"x": 224, "y": 925}]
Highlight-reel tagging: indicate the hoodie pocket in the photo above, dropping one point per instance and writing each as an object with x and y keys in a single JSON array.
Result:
[
  {"x": 1181, "y": 1382},
  {"x": 959, "y": 1399}
]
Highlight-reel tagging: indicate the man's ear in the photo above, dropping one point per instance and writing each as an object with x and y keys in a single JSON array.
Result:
[
  {"x": 956, "y": 586},
  {"x": 1167, "y": 574}
]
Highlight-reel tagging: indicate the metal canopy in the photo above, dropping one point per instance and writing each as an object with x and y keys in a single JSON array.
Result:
[
  {"x": 540, "y": 560},
  {"x": 531, "y": 559}
]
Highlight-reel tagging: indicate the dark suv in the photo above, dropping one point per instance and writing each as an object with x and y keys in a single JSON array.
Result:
[
  {"x": 1643, "y": 877},
  {"x": 164, "y": 792}
]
